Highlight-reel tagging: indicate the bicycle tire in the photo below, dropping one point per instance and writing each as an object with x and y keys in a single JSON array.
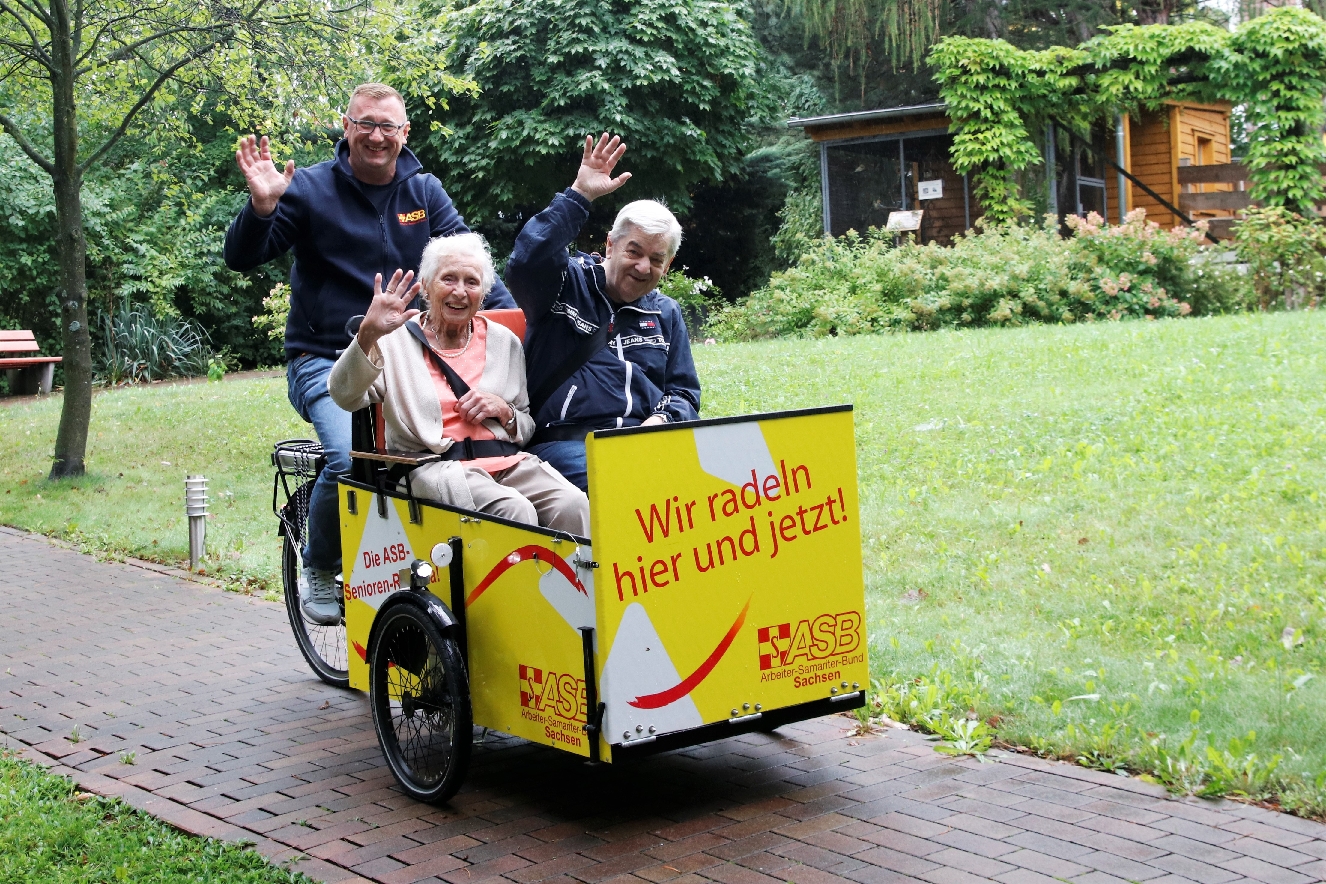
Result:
[
  {"x": 322, "y": 646},
  {"x": 420, "y": 697}
]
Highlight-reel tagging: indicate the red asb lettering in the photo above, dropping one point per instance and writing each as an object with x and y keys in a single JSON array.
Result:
[
  {"x": 825, "y": 636},
  {"x": 390, "y": 555},
  {"x": 563, "y": 695},
  {"x": 369, "y": 588}
]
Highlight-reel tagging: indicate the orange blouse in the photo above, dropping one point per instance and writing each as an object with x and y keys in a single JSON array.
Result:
[{"x": 469, "y": 365}]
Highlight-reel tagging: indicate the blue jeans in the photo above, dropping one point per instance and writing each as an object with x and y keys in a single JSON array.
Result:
[
  {"x": 306, "y": 381},
  {"x": 567, "y": 458}
]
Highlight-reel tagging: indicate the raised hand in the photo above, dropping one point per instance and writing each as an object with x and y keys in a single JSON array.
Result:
[
  {"x": 596, "y": 164},
  {"x": 266, "y": 182},
  {"x": 389, "y": 310}
]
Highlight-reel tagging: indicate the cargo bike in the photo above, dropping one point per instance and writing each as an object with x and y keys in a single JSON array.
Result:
[{"x": 721, "y": 594}]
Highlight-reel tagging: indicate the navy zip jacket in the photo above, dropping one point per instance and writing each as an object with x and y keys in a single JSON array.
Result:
[
  {"x": 646, "y": 367},
  {"x": 341, "y": 240}
]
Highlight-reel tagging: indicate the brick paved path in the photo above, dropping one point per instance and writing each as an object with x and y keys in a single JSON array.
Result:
[{"x": 236, "y": 739}]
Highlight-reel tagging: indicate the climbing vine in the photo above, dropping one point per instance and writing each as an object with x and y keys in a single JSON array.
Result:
[
  {"x": 997, "y": 95},
  {"x": 1275, "y": 65}
]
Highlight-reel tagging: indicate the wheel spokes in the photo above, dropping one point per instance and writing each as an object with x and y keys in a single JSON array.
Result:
[
  {"x": 324, "y": 647},
  {"x": 418, "y": 703}
]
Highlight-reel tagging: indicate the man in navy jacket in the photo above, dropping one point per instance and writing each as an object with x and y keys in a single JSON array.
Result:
[
  {"x": 603, "y": 347},
  {"x": 364, "y": 214}
]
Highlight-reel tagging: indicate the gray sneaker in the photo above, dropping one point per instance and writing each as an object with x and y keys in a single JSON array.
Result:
[{"x": 320, "y": 596}]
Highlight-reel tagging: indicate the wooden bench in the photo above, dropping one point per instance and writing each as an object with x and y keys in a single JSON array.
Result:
[{"x": 26, "y": 374}]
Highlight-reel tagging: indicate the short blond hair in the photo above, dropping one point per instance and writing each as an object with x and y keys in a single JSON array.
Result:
[
  {"x": 375, "y": 91},
  {"x": 460, "y": 245}
]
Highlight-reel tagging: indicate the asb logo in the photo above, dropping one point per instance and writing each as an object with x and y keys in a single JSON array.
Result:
[
  {"x": 826, "y": 636},
  {"x": 407, "y": 218},
  {"x": 773, "y": 644},
  {"x": 562, "y": 695},
  {"x": 531, "y": 686}
]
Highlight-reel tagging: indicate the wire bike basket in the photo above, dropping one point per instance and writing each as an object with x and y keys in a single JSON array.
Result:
[{"x": 298, "y": 463}]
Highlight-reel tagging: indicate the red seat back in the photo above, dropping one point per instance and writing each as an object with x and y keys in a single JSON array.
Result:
[{"x": 512, "y": 319}]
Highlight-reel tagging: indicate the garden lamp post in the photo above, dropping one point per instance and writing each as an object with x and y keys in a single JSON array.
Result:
[{"x": 195, "y": 505}]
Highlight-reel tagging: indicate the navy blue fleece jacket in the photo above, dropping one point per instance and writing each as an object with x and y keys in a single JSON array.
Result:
[
  {"x": 341, "y": 240},
  {"x": 645, "y": 369}
]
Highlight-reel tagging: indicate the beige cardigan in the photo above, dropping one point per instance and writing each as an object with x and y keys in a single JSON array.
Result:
[{"x": 399, "y": 378}]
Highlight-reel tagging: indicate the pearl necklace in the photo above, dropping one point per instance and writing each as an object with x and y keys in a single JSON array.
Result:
[{"x": 453, "y": 354}]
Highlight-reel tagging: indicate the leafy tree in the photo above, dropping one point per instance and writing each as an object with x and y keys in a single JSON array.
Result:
[
  {"x": 677, "y": 79},
  {"x": 155, "y": 216},
  {"x": 728, "y": 235},
  {"x": 79, "y": 76}
]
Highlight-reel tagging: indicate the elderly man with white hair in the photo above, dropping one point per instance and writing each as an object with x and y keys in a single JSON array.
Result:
[{"x": 604, "y": 348}]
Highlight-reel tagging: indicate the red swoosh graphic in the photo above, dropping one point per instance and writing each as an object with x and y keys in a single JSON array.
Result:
[
  {"x": 360, "y": 650},
  {"x": 692, "y": 681},
  {"x": 527, "y": 554}
]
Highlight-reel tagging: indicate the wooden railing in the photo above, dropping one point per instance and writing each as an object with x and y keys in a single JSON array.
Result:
[
  {"x": 1225, "y": 173},
  {"x": 1229, "y": 200}
]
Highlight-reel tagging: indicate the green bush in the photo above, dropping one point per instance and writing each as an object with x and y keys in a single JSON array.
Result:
[
  {"x": 1222, "y": 288},
  {"x": 136, "y": 346},
  {"x": 999, "y": 275},
  {"x": 801, "y": 219},
  {"x": 1283, "y": 251},
  {"x": 698, "y": 297}
]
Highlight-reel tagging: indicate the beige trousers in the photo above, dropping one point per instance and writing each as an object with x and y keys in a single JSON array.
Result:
[{"x": 531, "y": 492}]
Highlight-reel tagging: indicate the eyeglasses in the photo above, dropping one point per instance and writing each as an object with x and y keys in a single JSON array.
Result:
[{"x": 366, "y": 127}]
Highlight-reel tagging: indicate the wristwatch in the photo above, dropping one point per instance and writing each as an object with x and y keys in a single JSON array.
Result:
[{"x": 510, "y": 426}]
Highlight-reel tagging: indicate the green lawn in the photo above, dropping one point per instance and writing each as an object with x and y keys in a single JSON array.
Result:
[
  {"x": 1109, "y": 536},
  {"x": 143, "y": 443},
  {"x": 52, "y": 833}
]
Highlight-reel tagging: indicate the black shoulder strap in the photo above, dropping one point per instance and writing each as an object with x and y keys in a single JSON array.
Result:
[{"x": 458, "y": 385}]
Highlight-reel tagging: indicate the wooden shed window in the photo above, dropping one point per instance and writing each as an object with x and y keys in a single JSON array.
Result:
[
  {"x": 864, "y": 185},
  {"x": 1205, "y": 157},
  {"x": 1081, "y": 172}
]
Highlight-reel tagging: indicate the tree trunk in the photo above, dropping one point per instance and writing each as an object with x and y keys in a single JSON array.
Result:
[
  {"x": 76, "y": 414},
  {"x": 71, "y": 248}
]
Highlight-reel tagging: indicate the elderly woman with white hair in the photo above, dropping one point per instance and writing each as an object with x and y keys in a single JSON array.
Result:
[{"x": 452, "y": 383}]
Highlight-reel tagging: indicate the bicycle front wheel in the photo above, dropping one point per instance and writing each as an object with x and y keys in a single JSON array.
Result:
[{"x": 421, "y": 703}]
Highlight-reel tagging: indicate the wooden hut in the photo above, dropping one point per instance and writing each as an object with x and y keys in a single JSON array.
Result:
[
  {"x": 876, "y": 162},
  {"x": 1159, "y": 145}
]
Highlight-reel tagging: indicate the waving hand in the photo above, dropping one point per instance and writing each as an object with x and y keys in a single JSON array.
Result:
[
  {"x": 266, "y": 182},
  {"x": 389, "y": 310},
  {"x": 595, "y": 176}
]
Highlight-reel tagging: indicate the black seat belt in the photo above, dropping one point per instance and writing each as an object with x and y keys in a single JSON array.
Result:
[
  {"x": 456, "y": 382},
  {"x": 462, "y": 449}
]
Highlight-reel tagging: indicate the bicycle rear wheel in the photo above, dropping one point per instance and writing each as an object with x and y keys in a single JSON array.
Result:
[{"x": 322, "y": 646}]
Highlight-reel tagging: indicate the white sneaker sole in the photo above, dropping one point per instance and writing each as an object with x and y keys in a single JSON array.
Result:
[{"x": 320, "y": 619}]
